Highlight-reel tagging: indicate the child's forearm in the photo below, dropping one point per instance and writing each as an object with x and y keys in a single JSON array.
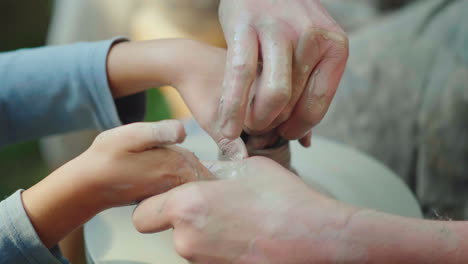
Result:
[
  {"x": 60, "y": 203},
  {"x": 133, "y": 67},
  {"x": 66, "y": 199},
  {"x": 384, "y": 238}
]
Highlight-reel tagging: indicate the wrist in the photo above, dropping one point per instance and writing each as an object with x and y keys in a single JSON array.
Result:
[
  {"x": 130, "y": 69},
  {"x": 316, "y": 232},
  {"x": 322, "y": 225},
  {"x": 58, "y": 204},
  {"x": 384, "y": 238}
]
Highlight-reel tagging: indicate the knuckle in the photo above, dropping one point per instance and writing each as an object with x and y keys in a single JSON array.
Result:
[
  {"x": 189, "y": 212},
  {"x": 338, "y": 52},
  {"x": 342, "y": 40},
  {"x": 321, "y": 33},
  {"x": 335, "y": 43},
  {"x": 100, "y": 141},
  {"x": 243, "y": 70},
  {"x": 278, "y": 93},
  {"x": 339, "y": 48}
]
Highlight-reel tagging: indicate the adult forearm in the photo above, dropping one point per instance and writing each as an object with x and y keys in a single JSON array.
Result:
[{"x": 383, "y": 238}]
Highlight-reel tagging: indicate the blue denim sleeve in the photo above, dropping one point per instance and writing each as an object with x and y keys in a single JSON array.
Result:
[
  {"x": 19, "y": 242},
  {"x": 57, "y": 89}
]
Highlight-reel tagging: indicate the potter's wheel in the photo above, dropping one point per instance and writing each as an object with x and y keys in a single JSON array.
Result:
[{"x": 346, "y": 174}]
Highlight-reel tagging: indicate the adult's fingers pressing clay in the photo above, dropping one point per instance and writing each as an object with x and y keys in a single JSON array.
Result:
[{"x": 302, "y": 51}]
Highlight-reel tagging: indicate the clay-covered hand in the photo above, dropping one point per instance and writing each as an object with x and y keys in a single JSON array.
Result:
[
  {"x": 299, "y": 52},
  {"x": 256, "y": 212},
  {"x": 123, "y": 165},
  {"x": 199, "y": 81},
  {"x": 133, "y": 162},
  {"x": 195, "y": 69}
]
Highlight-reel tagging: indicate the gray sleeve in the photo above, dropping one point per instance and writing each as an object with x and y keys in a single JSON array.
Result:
[
  {"x": 19, "y": 242},
  {"x": 50, "y": 90}
]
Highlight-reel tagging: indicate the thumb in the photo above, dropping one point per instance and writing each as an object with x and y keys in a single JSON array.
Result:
[
  {"x": 151, "y": 214},
  {"x": 138, "y": 137}
]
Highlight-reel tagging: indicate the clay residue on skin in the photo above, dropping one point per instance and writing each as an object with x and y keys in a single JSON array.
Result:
[
  {"x": 306, "y": 68},
  {"x": 317, "y": 90},
  {"x": 226, "y": 170},
  {"x": 166, "y": 132},
  {"x": 452, "y": 239},
  {"x": 330, "y": 35},
  {"x": 240, "y": 73},
  {"x": 316, "y": 99},
  {"x": 232, "y": 150},
  {"x": 196, "y": 167},
  {"x": 318, "y": 106}
]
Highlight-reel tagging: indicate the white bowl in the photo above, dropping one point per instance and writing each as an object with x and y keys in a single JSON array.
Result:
[{"x": 346, "y": 174}]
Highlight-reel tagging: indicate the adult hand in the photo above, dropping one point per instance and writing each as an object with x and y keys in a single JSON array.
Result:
[
  {"x": 123, "y": 165},
  {"x": 302, "y": 52},
  {"x": 195, "y": 69},
  {"x": 259, "y": 212},
  {"x": 256, "y": 212}
]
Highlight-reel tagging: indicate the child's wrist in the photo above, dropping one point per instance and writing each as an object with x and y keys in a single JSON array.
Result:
[{"x": 59, "y": 204}]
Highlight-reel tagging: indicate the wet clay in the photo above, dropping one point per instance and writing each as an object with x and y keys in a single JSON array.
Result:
[{"x": 269, "y": 145}]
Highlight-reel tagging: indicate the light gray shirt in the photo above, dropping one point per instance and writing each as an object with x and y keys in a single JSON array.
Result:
[{"x": 46, "y": 91}]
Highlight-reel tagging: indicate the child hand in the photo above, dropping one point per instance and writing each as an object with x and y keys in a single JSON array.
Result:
[
  {"x": 123, "y": 165},
  {"x": 130, "y": 163}
]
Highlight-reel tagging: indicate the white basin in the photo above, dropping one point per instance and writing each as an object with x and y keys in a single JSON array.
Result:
[{"x": 346, "y": 174}]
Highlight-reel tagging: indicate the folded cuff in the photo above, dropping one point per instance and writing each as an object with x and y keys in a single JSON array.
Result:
[{"x": 111, "y": 113}]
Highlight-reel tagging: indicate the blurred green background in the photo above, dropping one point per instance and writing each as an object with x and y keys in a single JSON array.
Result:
[{"x": 23, "y": 24}]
